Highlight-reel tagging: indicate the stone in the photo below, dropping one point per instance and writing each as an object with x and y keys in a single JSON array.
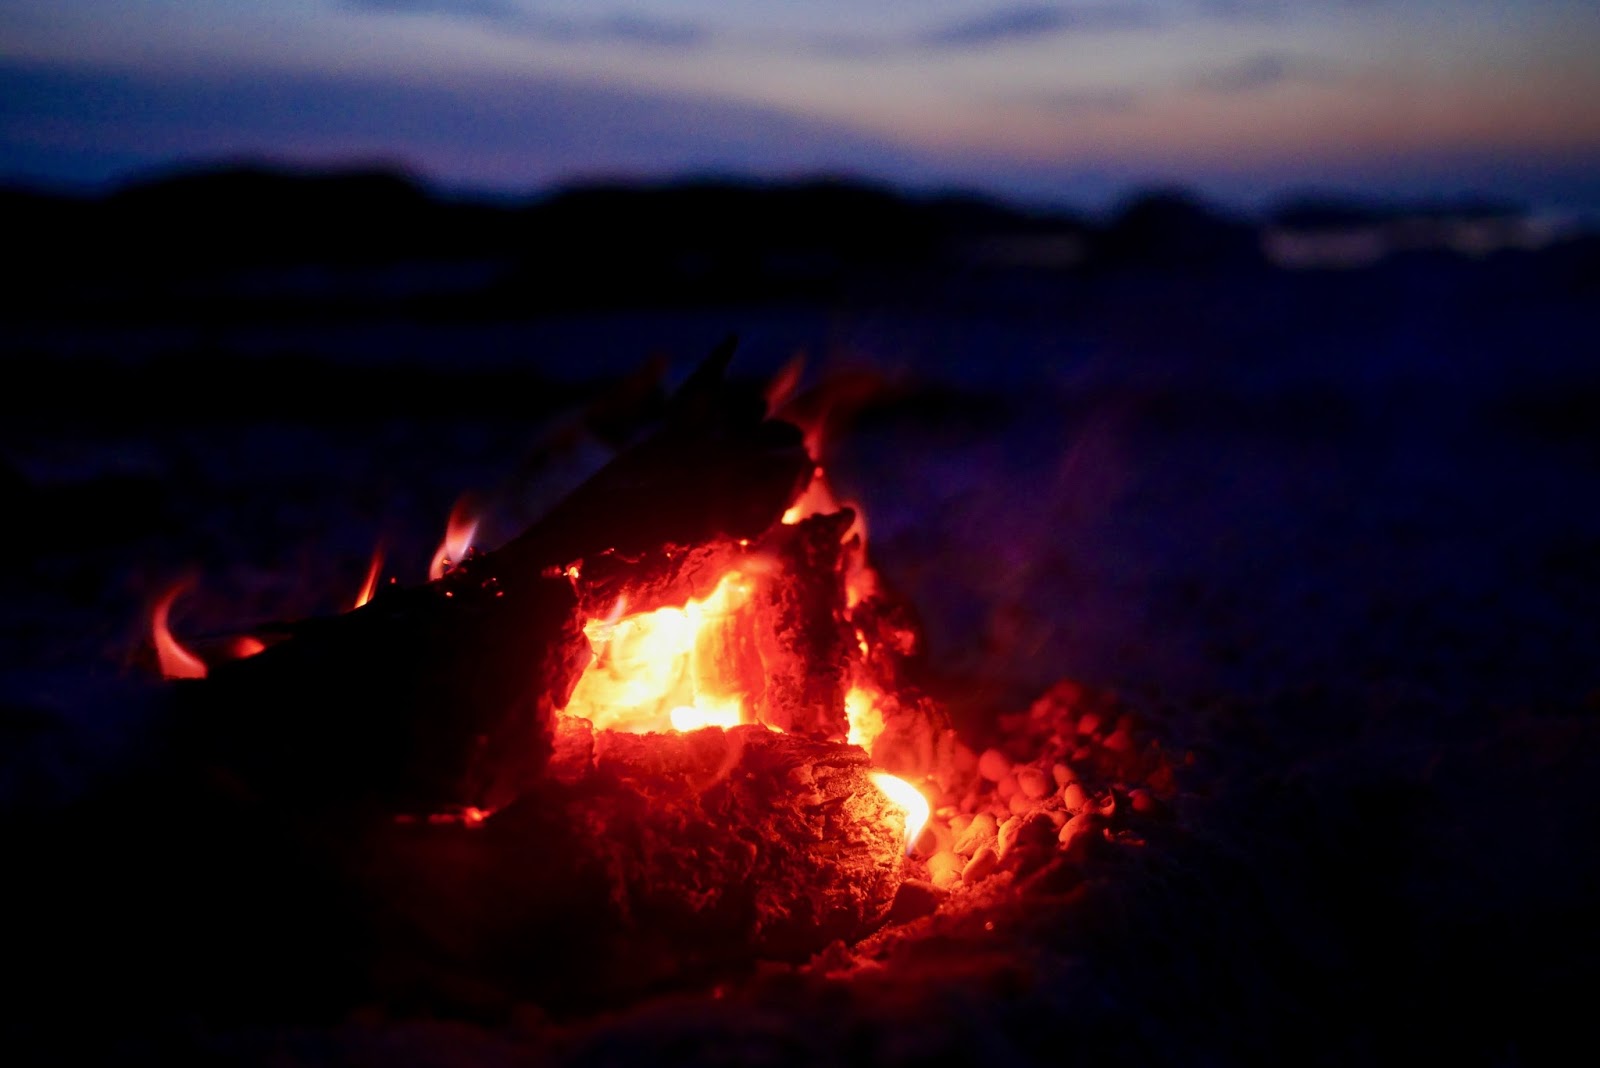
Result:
[
  {"x": 993, "y": 765},
  {"x": 979, "y": 833},
  {"x": 1033, "y": 783}
]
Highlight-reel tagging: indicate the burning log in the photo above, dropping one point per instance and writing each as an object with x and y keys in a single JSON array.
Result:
[
  {"x": 497, "y": 775},
  {"x": 463, "y": 761},
  {"x": 680, "y": 857},
  {"x": 442, "y": 696}
]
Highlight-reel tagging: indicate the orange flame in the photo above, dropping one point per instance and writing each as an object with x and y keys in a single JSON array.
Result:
[
  {"x": 176, "y": 661},
  {"x": 457, "y": 540},
  {"x": 370, "y": 586},
  {"x": 673, "y": 668},
  {"x": 816, "y": 499},
  {"x": 862, "y": 712},
  {"x": 908, "y": 799}
]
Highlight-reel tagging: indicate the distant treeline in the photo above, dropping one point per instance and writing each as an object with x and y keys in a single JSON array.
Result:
[{"x": 243, "y": 238}]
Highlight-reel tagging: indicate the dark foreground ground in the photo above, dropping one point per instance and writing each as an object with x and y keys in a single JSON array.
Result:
[{"x": 1335, "y": 533}]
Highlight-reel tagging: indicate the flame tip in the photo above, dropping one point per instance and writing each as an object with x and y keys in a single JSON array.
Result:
[
  {"x": 908, "y": 798},
  {"x": 175, "y": 661}
]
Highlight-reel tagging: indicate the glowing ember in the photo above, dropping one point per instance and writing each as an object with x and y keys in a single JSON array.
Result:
[
  {"x": 245, "y": 645},
  {"x": 370, "y": 586},
  {"x": 907, "y": 798},
  {"x": 457, "y": 540},
  {"x": 465, "y": 817},
  {"x": 176, "y": 661},
  {"x": 670, "y": 669}
]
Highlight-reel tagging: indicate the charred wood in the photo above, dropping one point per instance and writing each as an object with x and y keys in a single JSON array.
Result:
[
  {"x": 442, "y": 695},
  {"x": 646, "y": 861}
]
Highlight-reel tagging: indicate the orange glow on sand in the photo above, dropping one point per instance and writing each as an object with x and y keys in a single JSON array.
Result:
[
  {"x": 672, "y": 668},
  {"x": 176, "y": 661},
  {"x": 457, "y": 540},
  {"x": 908, "y": 799}
]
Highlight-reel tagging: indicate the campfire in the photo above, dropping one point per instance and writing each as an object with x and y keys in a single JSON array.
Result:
[{"x": 673, "y": 729}]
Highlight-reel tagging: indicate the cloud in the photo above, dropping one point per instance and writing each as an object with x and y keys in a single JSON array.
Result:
[
  {"x": 1029, "y": 22},
  {"x": 512, "y": 18},
  {"x": 467, "y": 9},
  {"x": 1275, "y": 10},
  {"x": 1113, "y": 100},
  {"x": 1260, "y": 71},
  {"x": 1244, "y": 9}
]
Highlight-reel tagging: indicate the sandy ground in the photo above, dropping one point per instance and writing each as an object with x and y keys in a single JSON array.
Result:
[{"x": 1335, "y": 534}]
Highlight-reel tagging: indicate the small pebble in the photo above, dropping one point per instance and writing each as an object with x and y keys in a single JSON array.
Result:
[
  {"x": 1075, "y": 797},
  {"x": 944, "y": 869},
  {"x": 915, "y": 899},
  {"x": 979, "y": 833},
  {"x": 981, "y": 866},
  {"x": 1062, "y": 774},
  {"x": 1037, "y": 832},
  {"x": 1007, "y": 835},
  {"x": 1033, "y": 782},
  {"x": 1080, "y": 824},
  {"x": 1021, "y": 804},
  {"x": 1006, "y": 786},
  {"x": 993, "y": 765},
  {"x": 1141, "y": 800},
  {"x": 1088, "y": 723},
  {"x": 934, "y": 837}
]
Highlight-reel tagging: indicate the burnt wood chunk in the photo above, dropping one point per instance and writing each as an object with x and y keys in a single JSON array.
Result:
[
  {"x": 442, "y": 696},
  {"x": 649, "y": 861},
  {"x": 393, "y": 792},
  {"x": 804, "y": 640}
]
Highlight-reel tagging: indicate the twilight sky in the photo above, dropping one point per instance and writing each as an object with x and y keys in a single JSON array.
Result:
[{"x": 1074, "y": 102}]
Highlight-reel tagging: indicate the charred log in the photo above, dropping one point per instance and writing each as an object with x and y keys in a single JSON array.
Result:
[
  {"x": 805, "y": 643},
  {"x": 442, "y": 695},
  {"x": 426, "y": 698},
  {"x": 388, "y": 789},
  {"x": 717, "y": 468},
  {"x": 646, "y": 861}
]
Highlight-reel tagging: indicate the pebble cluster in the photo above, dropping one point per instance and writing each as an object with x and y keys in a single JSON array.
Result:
[{"x": 1070, "y": 774}]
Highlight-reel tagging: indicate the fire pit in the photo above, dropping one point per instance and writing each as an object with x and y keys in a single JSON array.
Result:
[{"x": 671, "y": 734}]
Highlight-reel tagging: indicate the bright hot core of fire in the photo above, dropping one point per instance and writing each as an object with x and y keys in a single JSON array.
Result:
[
  {"x": 673, "y": 668},
  {"x": 699, "y": 665}
]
